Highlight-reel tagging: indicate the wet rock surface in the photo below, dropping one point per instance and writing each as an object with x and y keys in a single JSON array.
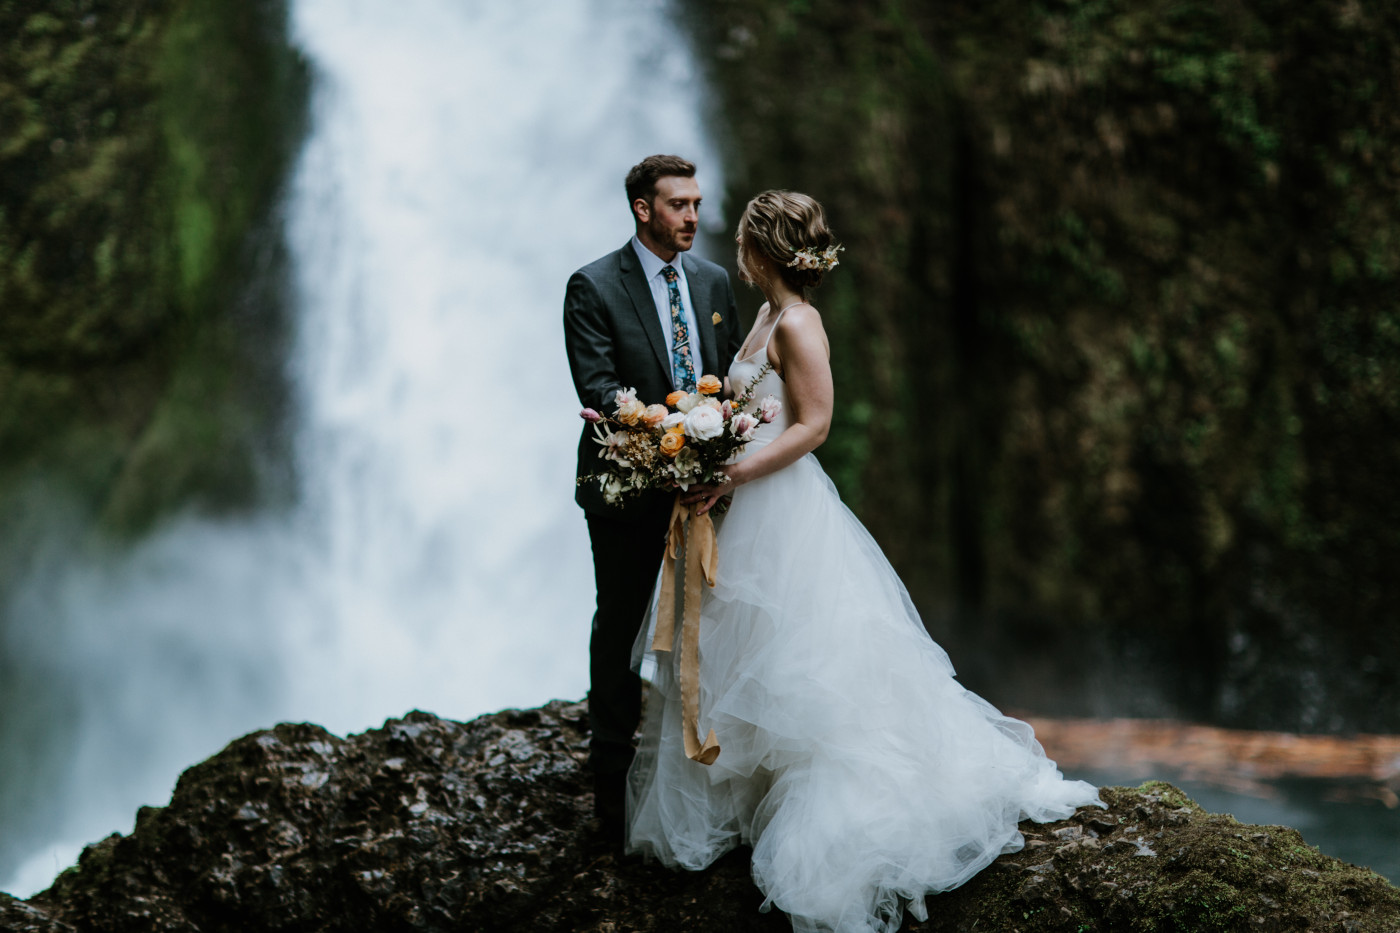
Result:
[{"x": 434, "y": 825}]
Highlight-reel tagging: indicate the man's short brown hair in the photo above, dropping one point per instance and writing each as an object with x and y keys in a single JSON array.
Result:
[{"x": 641, "y": 180}]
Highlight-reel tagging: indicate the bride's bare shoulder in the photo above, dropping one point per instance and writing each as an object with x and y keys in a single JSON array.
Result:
[
  {"x": 802, "y": 324},
  {"x": 800, "y": 319}
]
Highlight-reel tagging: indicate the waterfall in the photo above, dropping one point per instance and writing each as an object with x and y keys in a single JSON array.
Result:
[{"x": 463, "y": 158}]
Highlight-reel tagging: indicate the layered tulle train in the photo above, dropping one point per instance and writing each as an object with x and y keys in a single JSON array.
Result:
[{"x": 861, "y": 772}]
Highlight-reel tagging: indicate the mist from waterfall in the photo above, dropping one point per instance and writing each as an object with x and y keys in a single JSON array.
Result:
[{"x": 463, "y": 158}]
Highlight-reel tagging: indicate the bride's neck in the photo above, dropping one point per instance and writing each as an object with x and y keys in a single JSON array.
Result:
[{"x": 780, "y": 296}]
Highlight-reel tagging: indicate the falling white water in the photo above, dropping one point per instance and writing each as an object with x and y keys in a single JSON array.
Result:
[{"x": 463, "y": 158}]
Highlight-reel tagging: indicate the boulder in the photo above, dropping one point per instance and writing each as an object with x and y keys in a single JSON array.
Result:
[{"x": 432, "y": 825}]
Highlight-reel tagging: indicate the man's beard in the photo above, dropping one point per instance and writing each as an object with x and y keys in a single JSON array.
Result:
[{"x": 670, "y": 239}]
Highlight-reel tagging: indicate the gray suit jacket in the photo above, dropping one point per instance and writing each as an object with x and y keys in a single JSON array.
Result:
[{"x": 614, "y": 340}]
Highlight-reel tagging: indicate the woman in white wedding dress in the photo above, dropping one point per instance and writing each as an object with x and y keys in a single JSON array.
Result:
[{"x": 863, "y": 775}]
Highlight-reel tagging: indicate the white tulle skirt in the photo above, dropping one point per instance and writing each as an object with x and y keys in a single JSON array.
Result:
[{"x": 863, "y": 775}]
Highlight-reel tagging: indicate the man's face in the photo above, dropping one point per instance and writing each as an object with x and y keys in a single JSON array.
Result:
[{"x": 670, "y": 220}]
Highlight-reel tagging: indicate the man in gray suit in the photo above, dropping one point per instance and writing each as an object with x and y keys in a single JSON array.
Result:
[{"x": 651, "y": 318}]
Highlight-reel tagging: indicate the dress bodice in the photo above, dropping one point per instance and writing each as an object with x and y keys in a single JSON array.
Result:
[{"x": 741, "y": 373}]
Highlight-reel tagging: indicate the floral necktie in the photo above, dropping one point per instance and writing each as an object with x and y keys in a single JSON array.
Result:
[{"x": 682, "y": 367}]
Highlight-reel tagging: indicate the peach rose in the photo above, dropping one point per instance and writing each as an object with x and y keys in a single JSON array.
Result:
[
  {"x": 653, "y": 415},
  {"x": 630, "y": 412},
  {"x": 709, "y": 385},
  {"x": 672, "y": 442},
  {"x": 675, "y": 397}
]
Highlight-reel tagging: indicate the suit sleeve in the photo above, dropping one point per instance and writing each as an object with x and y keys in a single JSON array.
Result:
[{"x": 589, "y": 341}]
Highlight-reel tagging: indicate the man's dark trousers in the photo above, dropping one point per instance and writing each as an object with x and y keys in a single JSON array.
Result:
[{"x": 626, "y": 558}]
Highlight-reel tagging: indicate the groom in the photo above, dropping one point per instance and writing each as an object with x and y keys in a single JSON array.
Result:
[{"x": 647, "y": 317}]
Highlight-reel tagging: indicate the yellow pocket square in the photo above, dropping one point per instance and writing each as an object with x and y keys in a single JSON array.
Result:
[{"x": 716, "y": 319}]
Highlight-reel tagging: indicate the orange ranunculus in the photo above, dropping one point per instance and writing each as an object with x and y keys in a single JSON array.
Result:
[
  {"x": 672, "y": 442},
  {"x": 709, "y": 385},
  {"x": 653, "y": 415},
  {"x": 675, "y": 397}
]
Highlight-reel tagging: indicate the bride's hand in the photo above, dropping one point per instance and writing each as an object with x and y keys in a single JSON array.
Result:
[{"x": 707, "y": 494}]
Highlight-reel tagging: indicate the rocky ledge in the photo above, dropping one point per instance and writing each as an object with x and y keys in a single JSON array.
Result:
[{"x": 433, "y": 825}]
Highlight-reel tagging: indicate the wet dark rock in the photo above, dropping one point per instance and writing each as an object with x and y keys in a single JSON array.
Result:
[
  {"x": 19, "y": 917},
  {"x": 432, "y": 825}
]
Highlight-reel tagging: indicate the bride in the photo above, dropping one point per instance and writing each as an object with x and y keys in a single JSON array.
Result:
[{"x": 862, "y": 774}]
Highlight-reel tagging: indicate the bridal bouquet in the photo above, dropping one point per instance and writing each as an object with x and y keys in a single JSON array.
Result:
[{"x": 686, "y": 441}]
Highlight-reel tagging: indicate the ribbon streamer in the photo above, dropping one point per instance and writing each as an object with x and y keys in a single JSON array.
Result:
[{"x": 701, "y": 562}]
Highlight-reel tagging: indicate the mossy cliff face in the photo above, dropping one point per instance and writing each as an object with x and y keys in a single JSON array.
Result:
[
  {"x": 144, "y": 142},
  {"x": 1117, "y": 332}
]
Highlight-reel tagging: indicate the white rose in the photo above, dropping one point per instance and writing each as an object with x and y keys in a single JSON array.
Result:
[
  {"x": 687, "y": 403},
  {"x": 704, "y": 423},
  {"x": 743, "y": 426},
  {"x": 673, "y": 419}
]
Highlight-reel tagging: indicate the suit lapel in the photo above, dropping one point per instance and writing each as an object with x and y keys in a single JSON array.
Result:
[
  {"x": 704, "y": 320},
  {"x": 634, "y": 280}
]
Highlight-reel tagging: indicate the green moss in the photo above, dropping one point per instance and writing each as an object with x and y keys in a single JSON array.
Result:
[
  {"x": 1168, "y": 794},
  {"x": 1155, "y": 862},
  {"x": 151, "y": 143}
]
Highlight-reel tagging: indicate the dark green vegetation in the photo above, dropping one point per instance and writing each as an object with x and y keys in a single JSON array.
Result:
[
  {"x": 143, "y": 145},
  {"x": 1117, "y": 331},
  {"x": 431, "y": 825}
]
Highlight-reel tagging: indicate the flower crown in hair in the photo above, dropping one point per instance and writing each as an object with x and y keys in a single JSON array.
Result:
[{"x": 809, "y": 258}]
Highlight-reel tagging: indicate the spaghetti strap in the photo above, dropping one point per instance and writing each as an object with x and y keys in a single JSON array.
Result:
[{"x": 769, "y": 338}]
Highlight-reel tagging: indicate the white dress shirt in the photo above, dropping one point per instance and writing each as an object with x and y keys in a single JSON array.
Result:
[{"x": 652, "y": 265}]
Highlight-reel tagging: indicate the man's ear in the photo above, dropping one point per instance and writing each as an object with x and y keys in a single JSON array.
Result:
[{"x": 641, "y": 209}]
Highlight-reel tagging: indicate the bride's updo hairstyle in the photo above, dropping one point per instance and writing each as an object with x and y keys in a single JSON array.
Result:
[{"x": 778, "y": 225}]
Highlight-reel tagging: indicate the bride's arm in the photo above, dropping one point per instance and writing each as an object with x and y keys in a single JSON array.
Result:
[{"x": 800, "y": 346}]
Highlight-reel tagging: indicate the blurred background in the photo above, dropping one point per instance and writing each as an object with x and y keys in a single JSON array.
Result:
[{"x": 285, "y": 419}]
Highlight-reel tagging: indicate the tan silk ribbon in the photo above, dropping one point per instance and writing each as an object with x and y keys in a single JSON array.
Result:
[{"x": 701, "y": 561}]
